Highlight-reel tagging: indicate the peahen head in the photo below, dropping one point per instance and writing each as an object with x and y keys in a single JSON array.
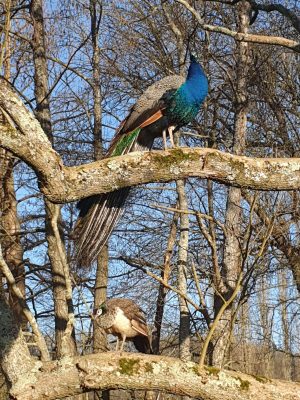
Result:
[{"x": 101, "y": 310}]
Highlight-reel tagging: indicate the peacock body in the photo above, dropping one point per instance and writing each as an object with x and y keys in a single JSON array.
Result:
[{"x": 164, "y": 107}]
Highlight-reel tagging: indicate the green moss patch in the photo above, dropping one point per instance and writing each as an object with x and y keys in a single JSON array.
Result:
[
  {"x": 177, "y": 156},
  {"x": 128, "y": 366},
  {"x": 148, "y": 368},
  {"x": 212, "y": 370},
  {"x": 195, "y": 370},
  {"x": 244, "y": 385},
  {"x": 261, "y": 379}
]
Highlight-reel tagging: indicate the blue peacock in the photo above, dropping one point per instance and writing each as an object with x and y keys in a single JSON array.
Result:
[{"x": 162, "y": 109}]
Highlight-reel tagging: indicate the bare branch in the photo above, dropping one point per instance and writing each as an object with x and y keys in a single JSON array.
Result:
[
  {"x": 243, "y": 37},
  {"x": 295, "y": 20}
]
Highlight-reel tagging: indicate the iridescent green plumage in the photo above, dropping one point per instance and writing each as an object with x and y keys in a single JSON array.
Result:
[
  {"x": 124, "y": 142},
  {"x": 164, "y": 107}
]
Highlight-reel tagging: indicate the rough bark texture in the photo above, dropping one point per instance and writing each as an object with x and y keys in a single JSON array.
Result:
[
  {"x": 99, "y": 334},
  {"x": 62, "y": 306},
  {"x": 64, "y": 184},
  {"x": 11, "y": 246},
  {"x": 100, "y": 342},
  {"x": 162, "y": 291},
  {"x": 96, "y": 16},
  {"x": 184, "y": 325},
  {"x": 136, "y": 371},
  {"x": 16, "y": 363},
  {"x": 232, "y": 253},
  {"x": 9, "y": 221},
  {"x": 56, "y": 251},
  {"x": 9, "y": 231}
]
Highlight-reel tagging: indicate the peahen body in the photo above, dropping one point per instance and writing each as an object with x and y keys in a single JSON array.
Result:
[
  {"x": 124, "y": 319},
  {"x": 163, "y": 108}
]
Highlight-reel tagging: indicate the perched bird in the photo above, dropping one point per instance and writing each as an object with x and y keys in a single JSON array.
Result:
[
  {"x": 163, "y": 108},
  {"x": 124, "y": 319}
]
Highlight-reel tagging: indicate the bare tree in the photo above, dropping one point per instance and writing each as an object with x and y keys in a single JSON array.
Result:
[{"x": 201, "y": 247}]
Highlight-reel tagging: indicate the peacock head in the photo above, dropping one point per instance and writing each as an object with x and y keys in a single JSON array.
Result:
[
  {"x": 194, "y": 58},
  {"x": 101, "y": 310}
]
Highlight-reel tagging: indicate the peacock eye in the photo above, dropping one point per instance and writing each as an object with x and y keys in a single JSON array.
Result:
[{"x": 99, "y": 312}]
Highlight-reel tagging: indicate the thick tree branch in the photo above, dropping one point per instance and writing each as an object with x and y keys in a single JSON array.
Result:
[
  {"x": 144, "y": 372},
  {"x": 243, "y": 37},
  {"x": 63, "y": 184}
]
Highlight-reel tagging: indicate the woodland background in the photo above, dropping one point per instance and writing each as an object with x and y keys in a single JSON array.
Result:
[{"x": 184, "y": 248}]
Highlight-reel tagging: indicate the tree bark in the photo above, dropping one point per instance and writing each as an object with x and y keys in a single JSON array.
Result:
[
  {"x": 9, "y": 231},
  {"x": 100, "y": 342},
  {"x": 232, "y": 253},
  {"x": 96, "y": 16},
  {"x": 16, "y": 362},
  {"x": 65, "y": 344},
  {"x": 162, "y": 291},
  {"x": 184, "y": 325},
  {"x": 9, "y": 220},
  {"x": 56, "y": 380},
  {"x": 62, "y": 184}
]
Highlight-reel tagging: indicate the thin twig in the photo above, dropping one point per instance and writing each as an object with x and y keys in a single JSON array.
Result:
[
  {"x": 160, "y": 280},
  {"x": 243, "y": 37},
  {"x": 213, "y": 327}
]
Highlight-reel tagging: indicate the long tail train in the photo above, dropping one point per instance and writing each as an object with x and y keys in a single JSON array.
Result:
[
  {"x": 99, "y": 214},
  {"x": 166, "y": 105}
]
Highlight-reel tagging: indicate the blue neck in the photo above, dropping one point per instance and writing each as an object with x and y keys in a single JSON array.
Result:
[
  {"x": 195, "y": 70},
  {"x": 196, "y": 81}
]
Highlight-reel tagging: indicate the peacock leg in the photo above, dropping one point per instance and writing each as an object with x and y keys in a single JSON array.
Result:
[
  {"x": 170, "y": 131},
  {"x": 122, "y": 344},
  {"x": 117, "y": 345},
  {"x": 164, "y": 135}
]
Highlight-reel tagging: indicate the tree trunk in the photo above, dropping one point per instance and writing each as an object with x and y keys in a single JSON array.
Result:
[
  {"x": 287, "y": 355},
  {"x": 9, "y": 231},
  {"x": 100, "y": 290},
  {"x": 16, "y": 361},
  {"x": 100, "y": 342},
  {"x": 232, "y": 253},
  {"x": 63, "y": 307},
  {"x": 162, "y": 291},
  {"x": 184, "y": 326},
  {"x": 96, "y": 15},
  {"x": 9, "y": 220}
]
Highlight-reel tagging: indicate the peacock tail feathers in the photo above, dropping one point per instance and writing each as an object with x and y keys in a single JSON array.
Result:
[
  {"x": 172, "y": 101},
  {"x": 125, "y": 142}
]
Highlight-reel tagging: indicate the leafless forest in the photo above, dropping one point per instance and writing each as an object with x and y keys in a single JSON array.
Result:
[{"x": 214, "y": 263}]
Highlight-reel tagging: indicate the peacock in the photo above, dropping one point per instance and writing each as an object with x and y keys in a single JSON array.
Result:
[
  {"x": 124, "y": 319},
  {"x": 162, "y": 109}
]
